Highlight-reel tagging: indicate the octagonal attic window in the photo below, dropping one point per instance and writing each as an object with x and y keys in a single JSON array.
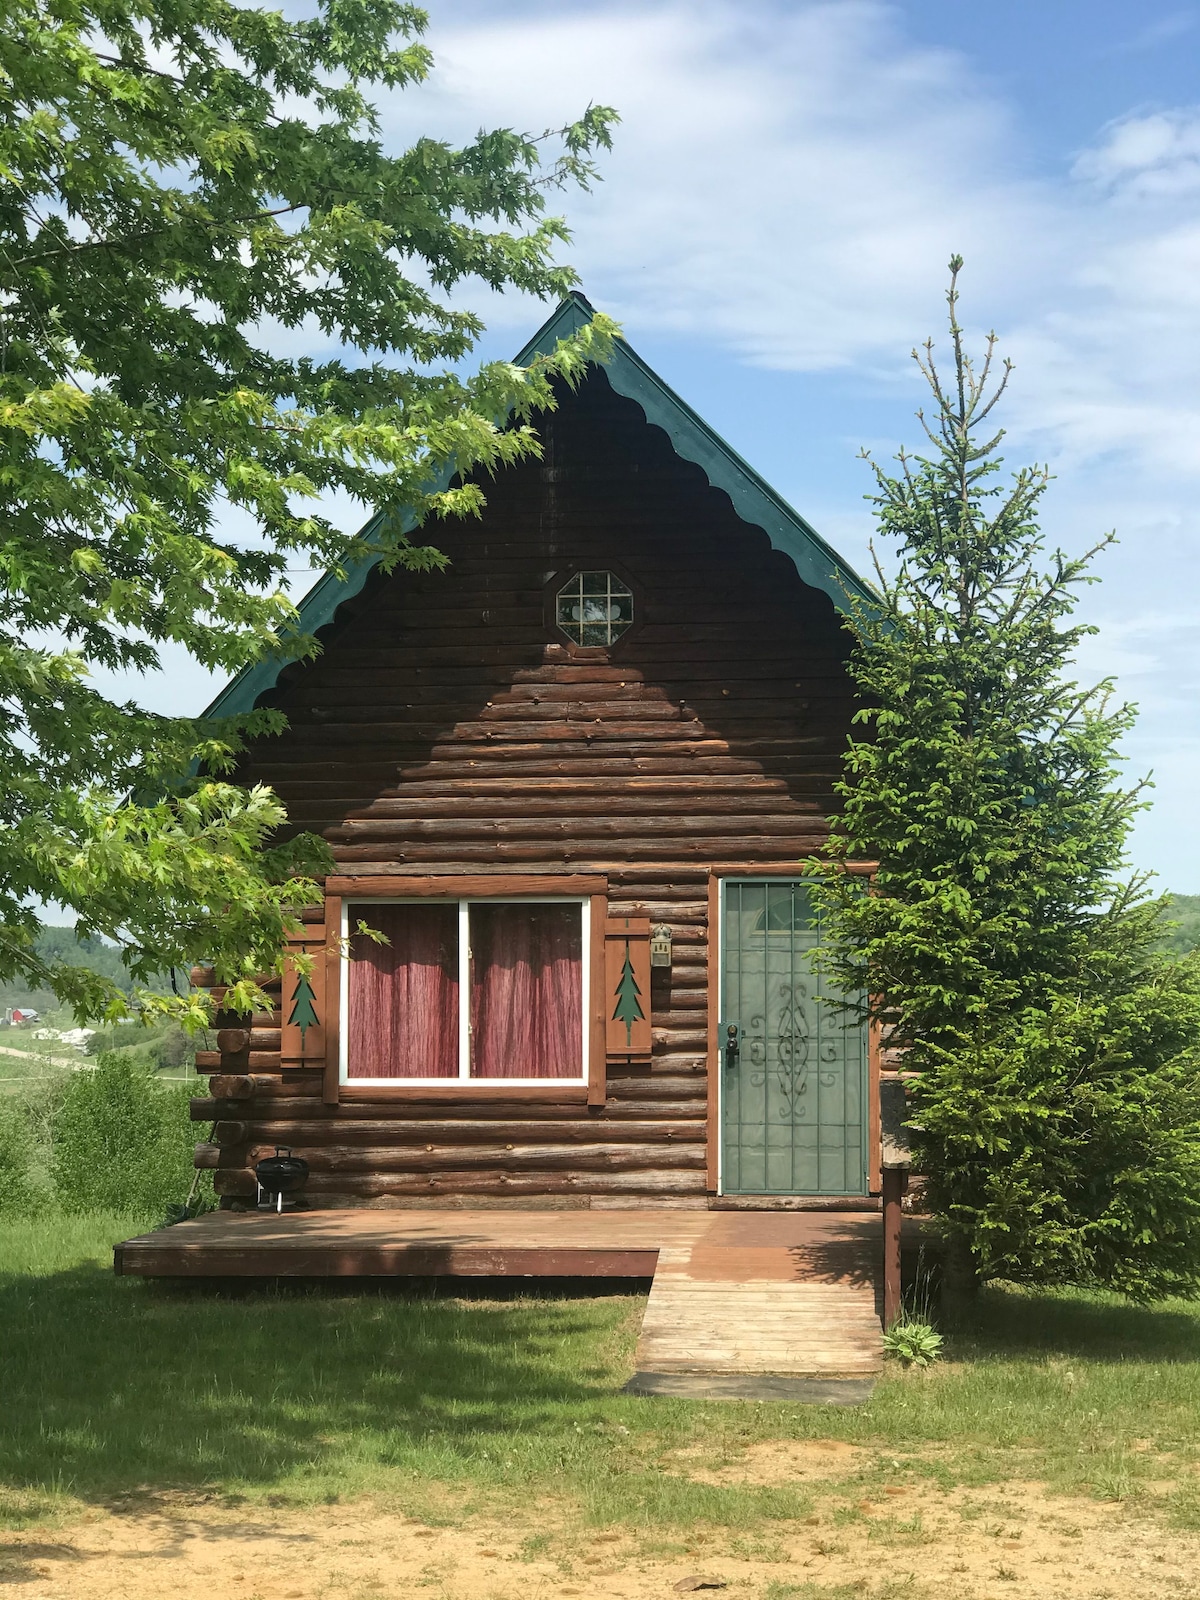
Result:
[{"x": 594, "y": 608}]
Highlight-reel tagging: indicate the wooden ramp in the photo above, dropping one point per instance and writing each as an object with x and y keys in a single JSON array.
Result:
[
  {"x": 756, "y": 1298},
  {"x": 748, "y": 1303}
]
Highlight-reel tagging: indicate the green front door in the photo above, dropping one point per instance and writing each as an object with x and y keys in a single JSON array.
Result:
[{"x": 794, "y": 1088}]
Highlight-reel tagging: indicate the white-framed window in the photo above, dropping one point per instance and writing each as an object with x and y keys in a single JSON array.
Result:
[{"x": 487, "y": 990}]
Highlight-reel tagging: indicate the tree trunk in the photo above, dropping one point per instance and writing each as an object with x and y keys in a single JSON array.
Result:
[{"x": 960, "y": 1278}]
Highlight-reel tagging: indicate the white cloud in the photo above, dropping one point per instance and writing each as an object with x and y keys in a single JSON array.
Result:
[
  {"x": 791, "y": 185},
  {"x": 1156, "y": 154},
  {"x": 792, "y": 182}
]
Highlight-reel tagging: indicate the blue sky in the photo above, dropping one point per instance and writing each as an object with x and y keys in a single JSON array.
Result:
[{"x": 788, "y": 183}]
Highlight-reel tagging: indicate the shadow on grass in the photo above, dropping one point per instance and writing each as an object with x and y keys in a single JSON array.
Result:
[
  {"x": 1013, "y": 1323},
  {"x": 109, "y": 1384}
]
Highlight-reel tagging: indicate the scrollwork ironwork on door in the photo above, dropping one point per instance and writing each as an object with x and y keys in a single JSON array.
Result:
[{"x": 778, "y": 1056}]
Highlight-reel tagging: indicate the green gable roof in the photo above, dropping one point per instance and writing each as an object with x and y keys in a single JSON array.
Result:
[{"x": 753, "y": 499}]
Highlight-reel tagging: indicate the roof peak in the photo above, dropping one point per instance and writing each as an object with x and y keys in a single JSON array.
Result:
[{"x": 754, "y": 500}]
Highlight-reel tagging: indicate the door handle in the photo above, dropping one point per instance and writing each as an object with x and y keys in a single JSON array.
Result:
[{"x": 732, "y": 1048}]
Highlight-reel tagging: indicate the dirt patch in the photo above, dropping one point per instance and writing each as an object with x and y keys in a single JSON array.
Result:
[
  {"x": 775, "y": 1461},
  {"x": 915, "y": 1541}
]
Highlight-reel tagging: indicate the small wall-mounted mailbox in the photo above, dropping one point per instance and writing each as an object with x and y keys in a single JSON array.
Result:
[{"x": 660, "y": 946}]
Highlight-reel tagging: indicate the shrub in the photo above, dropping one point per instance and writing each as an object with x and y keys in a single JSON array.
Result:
[
  {"x": 152, "y": 1048},
  {"x": 176, "y": 1049},
  {"x": 121, "y": 1142},
  {"x": 19, "y": 1194},
  {"x": 916, "y": 1343},
  {"x": 121, "y": 1036}
]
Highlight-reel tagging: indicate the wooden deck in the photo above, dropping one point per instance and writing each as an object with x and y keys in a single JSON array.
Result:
[{"x": 764, "y": 1304}]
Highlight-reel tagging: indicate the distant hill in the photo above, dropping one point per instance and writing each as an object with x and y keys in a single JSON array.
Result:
[
  {"x": 62, "y": 944},
  {"x": 1184, "y": 910}
]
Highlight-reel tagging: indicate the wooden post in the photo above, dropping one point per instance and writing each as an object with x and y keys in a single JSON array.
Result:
[{"x": 895, "y": 1182}]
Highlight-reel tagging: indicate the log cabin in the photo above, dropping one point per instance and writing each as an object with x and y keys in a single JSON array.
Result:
[{"x": 571, "y": 781}]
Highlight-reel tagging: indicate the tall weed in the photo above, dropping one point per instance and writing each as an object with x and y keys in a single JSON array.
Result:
[
  {"x": 19, "y": 1193},
  {"x": 121, "y": 1141}
]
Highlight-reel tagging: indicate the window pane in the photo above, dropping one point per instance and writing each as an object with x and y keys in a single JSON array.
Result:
[
  {"x": 526, "y": 991},
  {"x": 594, "y": 608},
  {"x": 403, "y": 1001}
]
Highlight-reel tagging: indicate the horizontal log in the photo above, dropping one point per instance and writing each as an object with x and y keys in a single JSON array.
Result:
[
  {"x": 651, "y": 1085},
  {"x": 676, "y": 1063},
  {"x": 419, "y": 673},
  {"x": 269, "y": 1114},
  {"x": 683, "y": 1013},
  {"x": 206, "y": 978},
  {"x": 568, "y": 744},
  {"x": 796, "y": 825},
  {"x": 615, "y": 776},
  {"x": 331, "y": 1188},
  {"x": 357, "y": 1184},
  {"x": 361, "y": 773},
  {"x": 491, "y": 863},
  {"x": 232, "y": 1041},
  {"x": 567, "y": 788},
  {"x": 203, "y": 1108},
  {"x": 572, "y": 855},
  {"x": 789, "y": 656},
  {"x": 680, "y": 1039},
  {"x": 615, "y": 870},
  {"x": 431, "y": 628},
  {"x": 469, "y": 1158},
  {"x": 522, "y": 883},
  {"x": 241, "y": 1184},
  {"x": 264, "y": 1061},
  {"x": 333, "y": 695},
  {"x": 230, "y": 1133},
  {"x": 236, "y": 1063},
  {"x": 379, "y": 1133},
  {"x": 346, "y": 736},
  {"x": 511, "y": 595},
  {"x": 685, "y": 799},
  {"x": 635, "y": 707},
  {"x": 634, "y": 875},
  {"x": 244, "y": 1086},
  {"x": 256, "y": 1019}
]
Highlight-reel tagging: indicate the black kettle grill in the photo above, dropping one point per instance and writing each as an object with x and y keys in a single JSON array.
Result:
[{"x": 280, "y": 1179}]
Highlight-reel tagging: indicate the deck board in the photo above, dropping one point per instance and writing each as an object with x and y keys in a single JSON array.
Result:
[{"x": 736, "y": 1295}]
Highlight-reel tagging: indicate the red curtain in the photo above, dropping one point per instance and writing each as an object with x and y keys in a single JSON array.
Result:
[
  {"x": 526, "y": 991},
  {"x": 403, "y": 1001}
]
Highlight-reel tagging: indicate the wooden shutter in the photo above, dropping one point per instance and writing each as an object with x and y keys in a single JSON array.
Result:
[
  {"x": 627, "y": 1035},
  {"x": 309, "y": 1034}
]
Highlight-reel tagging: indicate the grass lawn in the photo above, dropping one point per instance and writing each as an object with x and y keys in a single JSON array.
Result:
[{"x": 507, "y": 1413}]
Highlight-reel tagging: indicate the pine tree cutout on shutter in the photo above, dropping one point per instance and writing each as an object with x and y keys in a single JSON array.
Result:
[
  {"x": 629, "y": 1003},
  {"x": 304, "y": 1012},
  {"x": 627, "y": 1034},
  {"x": 302, "y": 1038}
]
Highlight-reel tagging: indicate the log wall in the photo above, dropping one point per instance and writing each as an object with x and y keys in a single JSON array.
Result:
[{"x": 448, "y": 729}]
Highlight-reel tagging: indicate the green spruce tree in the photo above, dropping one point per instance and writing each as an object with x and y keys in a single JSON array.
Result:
[{"x": 1053, "y": 1054}]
